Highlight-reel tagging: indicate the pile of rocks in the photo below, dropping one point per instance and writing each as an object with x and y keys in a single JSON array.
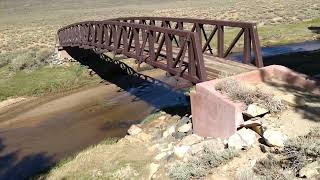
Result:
[
  {"x": 172, "y": 139},
  {"x": 60, "y": 58}
]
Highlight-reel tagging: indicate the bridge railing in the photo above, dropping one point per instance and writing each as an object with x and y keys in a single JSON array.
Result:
[
  {"x": 207, "y": 30},
  {"x": 151, "y": 44}
]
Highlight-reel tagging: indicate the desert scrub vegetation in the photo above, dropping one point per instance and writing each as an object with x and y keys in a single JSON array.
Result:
[
  {"x": 296, "y": 153},
  {"x": 249, "y": 94},
  {"x": 45, "y": 80},
  {"x": 200, "y": 165},
  {"x": 28, "y": 59}
]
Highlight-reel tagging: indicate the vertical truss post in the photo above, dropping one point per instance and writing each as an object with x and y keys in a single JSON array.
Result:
[
  {"x": 256, "y": 46},
  {"x": 220, "y": 41},
  {"x": 246, "y": 46}
]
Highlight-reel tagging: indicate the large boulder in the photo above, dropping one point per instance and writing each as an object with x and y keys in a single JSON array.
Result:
[
  {"x": 274, "y": 138},
  {"x": 242, "y": 139}
]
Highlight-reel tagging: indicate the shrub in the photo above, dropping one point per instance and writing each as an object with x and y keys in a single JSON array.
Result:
[
  {"x": 270, "y": 168},
  {"x": 193, "y": 169},
  {"x": 29, "y": 60},
  {"x": 295, "y": 155},
  {"x": 5, "y": 59},
  {"x": 199, "y": 166},
  {"x": 248, "y": 94},
  {"x": 302, "y": 150}
]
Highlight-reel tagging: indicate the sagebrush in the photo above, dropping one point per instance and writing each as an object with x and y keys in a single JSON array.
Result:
[
  {"x": 293, "y": 157},
  {"x": 247, "y": 94},
  {"x": 199, "y": 165}
]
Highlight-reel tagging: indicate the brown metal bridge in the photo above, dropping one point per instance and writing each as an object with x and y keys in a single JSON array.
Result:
[{"x": 194, "y": 49}]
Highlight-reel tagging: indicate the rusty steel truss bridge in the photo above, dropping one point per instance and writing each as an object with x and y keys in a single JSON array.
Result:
[{"x": 194, "y": 49}]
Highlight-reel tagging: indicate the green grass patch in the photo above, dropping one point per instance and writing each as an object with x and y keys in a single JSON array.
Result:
[
  {"x": 44, "y": 80},
  {"x": 287, "y": 33},
  {"x": 271, "y": 35}
]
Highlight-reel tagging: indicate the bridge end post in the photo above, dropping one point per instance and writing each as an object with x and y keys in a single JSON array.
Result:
[{"x": 256, "y": 46}]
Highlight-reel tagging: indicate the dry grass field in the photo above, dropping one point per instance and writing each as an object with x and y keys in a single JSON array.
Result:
[{"x": 31, "y": 25}]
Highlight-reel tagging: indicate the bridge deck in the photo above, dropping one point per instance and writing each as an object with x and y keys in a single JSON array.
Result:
[{"x": 219, "y": 67}]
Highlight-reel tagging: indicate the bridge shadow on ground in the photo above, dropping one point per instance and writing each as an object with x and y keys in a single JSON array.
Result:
[
  {"x": 12, "y": 167},
  {"x": 157, "y": 93}
]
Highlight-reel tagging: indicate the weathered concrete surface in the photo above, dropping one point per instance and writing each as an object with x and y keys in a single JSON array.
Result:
[{"x": 214, "y": 115}]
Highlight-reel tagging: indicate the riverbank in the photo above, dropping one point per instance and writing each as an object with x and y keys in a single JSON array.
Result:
[{"x": 38, "y": 133}]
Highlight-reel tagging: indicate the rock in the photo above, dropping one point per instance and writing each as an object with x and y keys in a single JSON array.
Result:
[
  {"x": 144, "y": 136},
  {"x": 166, "y": 148},
  {"x": 293, "y": 100},
  {"x": 251, "y": 123},
  {"x": 255, "y": 110},
  {"x": 160, "y": 156},
  {"x": 258, "y": 130},
  {"x": 184, "y": 120},
  {"x": 181, "y": 151},
  {"x": 242, "y": 139},
  {"x": 310, "y": 170},
  {"x": 274, "y": 138},
  {"x": 162, "y": 118},
  {"x": 153, "y": 169},
  {"x": 169, "y": 131},
  {"x": 255, "y": 124},
  {"x": 134, "y": 130},
  {"x": 213, "y": 144},
  {"x": 185, "y": 128},
  {"x": 191, "y": 139},
  {"x": 178, "y": 135}
]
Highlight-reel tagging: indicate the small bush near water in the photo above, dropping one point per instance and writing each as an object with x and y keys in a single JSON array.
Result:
[
  {"x": 248, "y": 95},
  {"x": 29, "y": 59},
  {"x": 199, "y": 166},
  {"x": 294, "y": 156}
]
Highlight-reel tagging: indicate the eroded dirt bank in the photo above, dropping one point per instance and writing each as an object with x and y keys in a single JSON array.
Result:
[{"x": 37, "y": 133}]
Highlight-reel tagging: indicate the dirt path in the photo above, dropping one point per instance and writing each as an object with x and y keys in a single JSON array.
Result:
[{"x": 37, "y": 133}]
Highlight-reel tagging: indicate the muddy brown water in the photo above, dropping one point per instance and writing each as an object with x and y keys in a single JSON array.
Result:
[{"x": 36, "y": 134}]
